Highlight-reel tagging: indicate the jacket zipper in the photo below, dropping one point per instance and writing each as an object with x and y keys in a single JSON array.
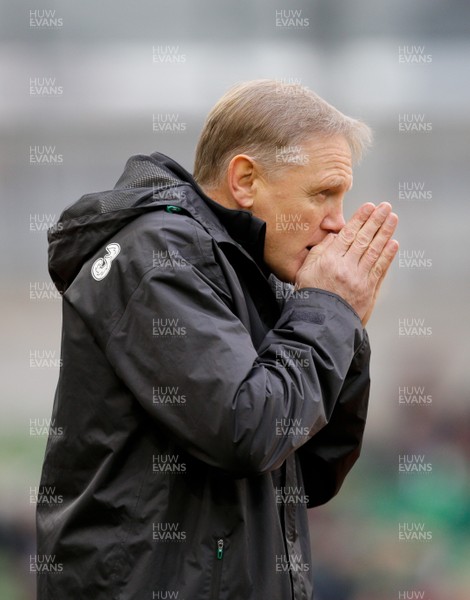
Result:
[{"x": 217, "y": 569}]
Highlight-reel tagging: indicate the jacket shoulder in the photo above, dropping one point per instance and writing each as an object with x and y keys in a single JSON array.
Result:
[
  {"x": 157, "y": 245},
  {"x": 170, "y": 240}
]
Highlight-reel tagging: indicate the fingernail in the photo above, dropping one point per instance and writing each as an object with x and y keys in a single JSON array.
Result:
[{"x": 384, "y": 210}]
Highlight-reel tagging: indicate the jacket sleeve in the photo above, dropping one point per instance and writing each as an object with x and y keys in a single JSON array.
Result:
[
  {"x": 190, "y": 362},
  {"x": 329, "y": 455}
]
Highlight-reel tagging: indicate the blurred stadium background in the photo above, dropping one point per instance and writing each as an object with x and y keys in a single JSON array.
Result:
[{"x": 102, "y": 56}]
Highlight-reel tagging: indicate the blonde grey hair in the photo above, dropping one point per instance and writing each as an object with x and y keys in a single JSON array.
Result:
[{"x": 259, "y": 117}]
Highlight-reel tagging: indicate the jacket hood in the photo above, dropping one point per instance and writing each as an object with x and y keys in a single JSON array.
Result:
[{"x": 147, "y": 183}]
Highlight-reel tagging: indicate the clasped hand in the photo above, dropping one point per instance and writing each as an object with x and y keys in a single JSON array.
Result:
[{"x": 354, "y": 262}]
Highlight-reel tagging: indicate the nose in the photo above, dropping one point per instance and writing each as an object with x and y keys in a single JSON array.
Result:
[{"x": 334, "y": 221}]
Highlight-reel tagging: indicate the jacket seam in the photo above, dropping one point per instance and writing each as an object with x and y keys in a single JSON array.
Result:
[{"x": 122, "y": 540}]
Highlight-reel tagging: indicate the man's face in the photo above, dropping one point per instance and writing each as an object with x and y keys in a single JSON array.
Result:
[{"x": 303, "y": 203}]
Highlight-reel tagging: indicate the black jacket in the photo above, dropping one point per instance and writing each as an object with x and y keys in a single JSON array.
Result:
[{"x": 201, "y": 407}]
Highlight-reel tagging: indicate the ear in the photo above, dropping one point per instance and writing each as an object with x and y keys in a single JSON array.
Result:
[{"x": 242, "y": 176}]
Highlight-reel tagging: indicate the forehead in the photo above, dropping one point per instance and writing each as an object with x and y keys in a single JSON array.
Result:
[{"x": 329, "y": 160}]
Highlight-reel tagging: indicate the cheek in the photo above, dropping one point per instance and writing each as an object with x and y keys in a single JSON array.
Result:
[
  {"x": 290, "y": 238},
  {"x": 315, "y": 217},
  {"x": 314, "y": 232}
]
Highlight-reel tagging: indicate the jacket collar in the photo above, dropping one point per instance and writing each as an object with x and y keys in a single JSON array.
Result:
[{"x": 240, "y": 225}]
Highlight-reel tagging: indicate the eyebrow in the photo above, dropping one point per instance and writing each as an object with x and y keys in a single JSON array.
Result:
[
  {"x": 332, "y": 184},
  {"x": 337, "y": 182}
]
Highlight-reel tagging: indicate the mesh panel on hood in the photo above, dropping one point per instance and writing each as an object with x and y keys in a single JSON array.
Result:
[
  {"x": 87, "y": 224},
  {"x": 145, "y": 174}
]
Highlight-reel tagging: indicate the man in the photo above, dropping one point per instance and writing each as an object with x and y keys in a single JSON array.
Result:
[{"x": 205, "y": 402}]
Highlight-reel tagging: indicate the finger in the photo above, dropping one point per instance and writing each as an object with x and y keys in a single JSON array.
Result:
[
  {"x": 367, "y": 232},
  {"x": 326, "y": 241},
  {"x": 319, "y": 249},
  {"x": 373, "y": 252},
  {"x": 348, "y": 233},
  {"x": 393, "y": 249},
  {"x": 380, "y": 268}
]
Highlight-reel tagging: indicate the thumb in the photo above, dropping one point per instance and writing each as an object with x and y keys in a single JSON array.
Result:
[{"x": 323, "y": 245}]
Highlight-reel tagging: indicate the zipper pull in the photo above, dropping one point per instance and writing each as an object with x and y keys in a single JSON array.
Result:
[{"x": 220, "y": 549}]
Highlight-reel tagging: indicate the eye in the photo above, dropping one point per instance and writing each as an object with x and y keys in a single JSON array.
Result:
[{"x": 319, "y": 196}]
